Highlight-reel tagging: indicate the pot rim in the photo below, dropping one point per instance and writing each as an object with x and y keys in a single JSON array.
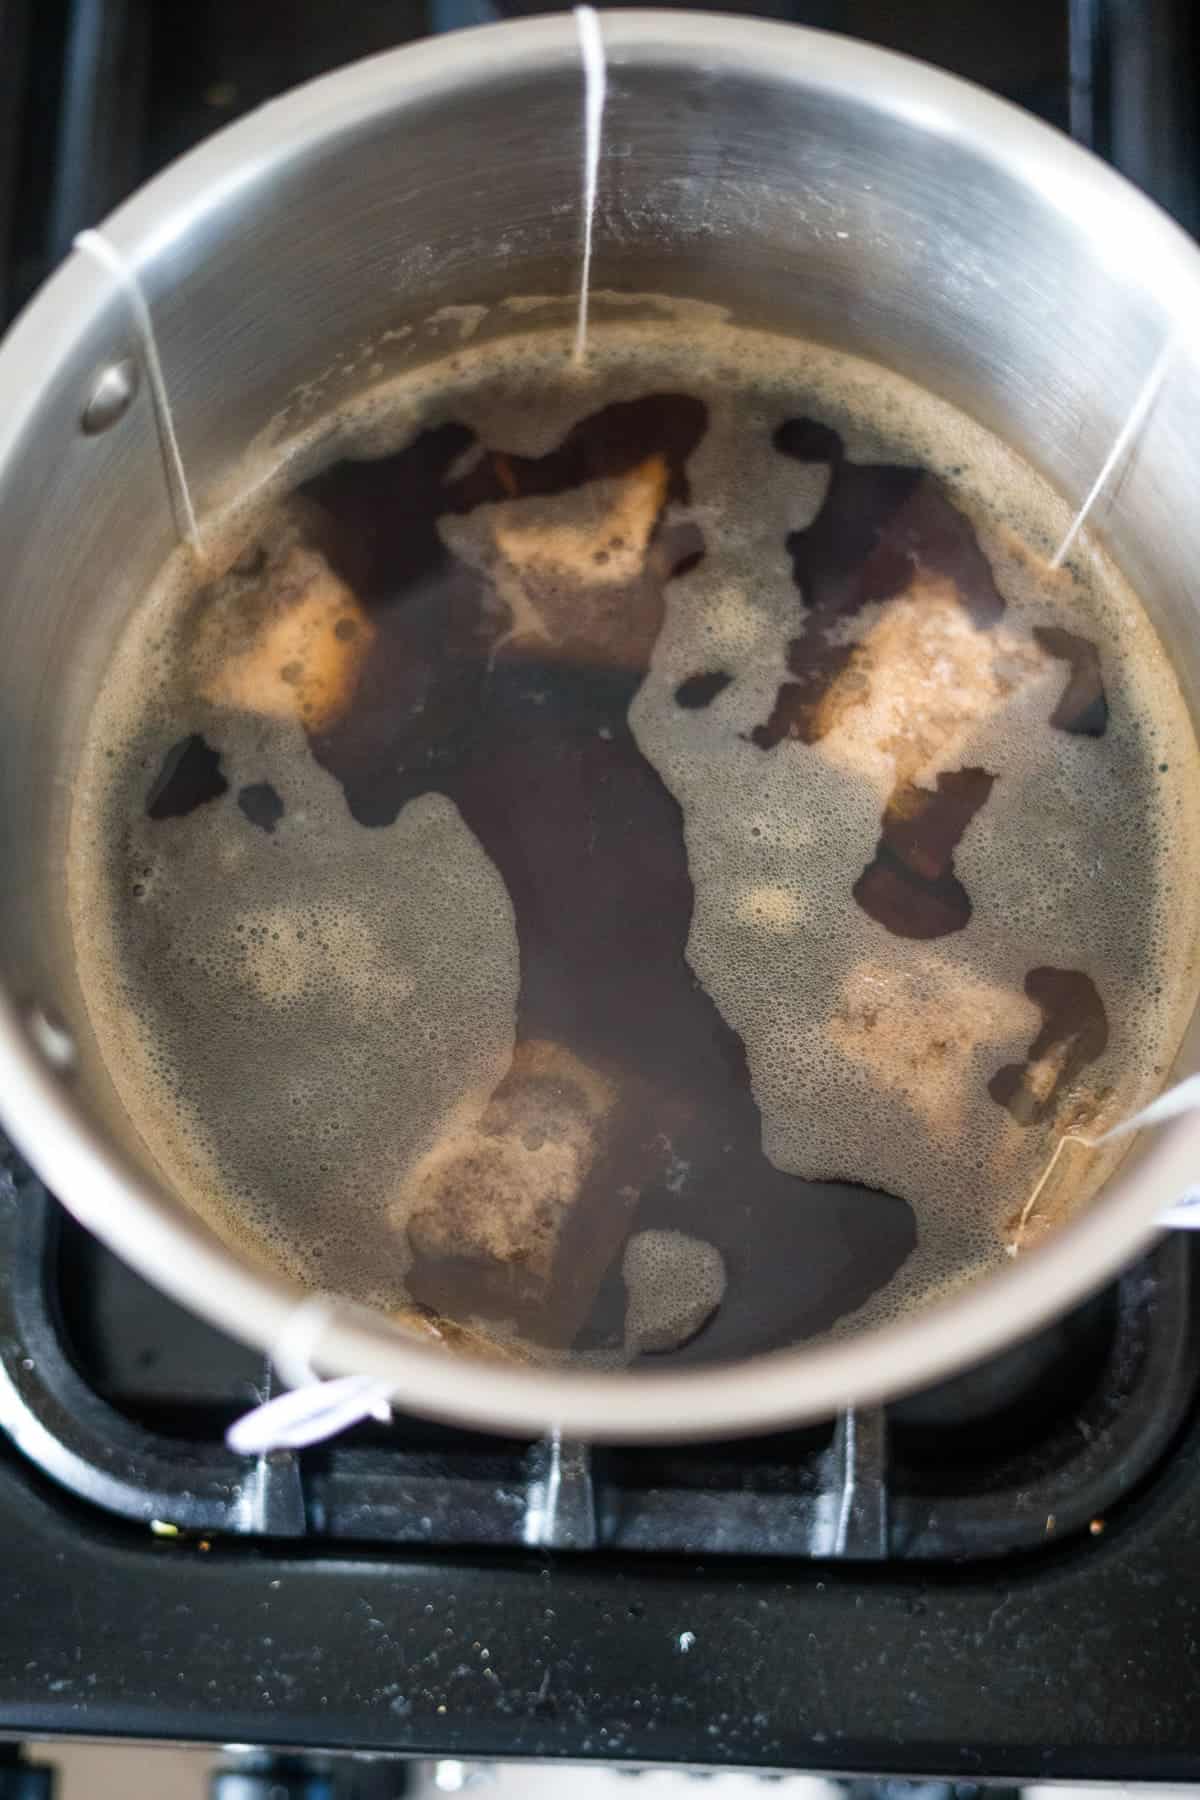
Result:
[{"x": 135, "y": 1216}]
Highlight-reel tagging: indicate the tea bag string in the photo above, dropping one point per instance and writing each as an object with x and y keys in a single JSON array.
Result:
[
  {"x": 102, "y": 251},
  {"x": 595, "y": 84},
  {"x": 311, "y": 1409},
  {"x": 1124, "y": 441}
]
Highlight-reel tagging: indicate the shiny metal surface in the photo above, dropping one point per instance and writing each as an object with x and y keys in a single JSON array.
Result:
[
  {"x": 111, "y": 396},
  {"x": 806, "y": 182}
]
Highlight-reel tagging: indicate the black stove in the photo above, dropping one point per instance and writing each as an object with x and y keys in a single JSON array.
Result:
[{"x": 995, "y": 1580}]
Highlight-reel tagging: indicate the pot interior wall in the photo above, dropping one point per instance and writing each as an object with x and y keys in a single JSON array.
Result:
[{"x": 865, "y": 217}]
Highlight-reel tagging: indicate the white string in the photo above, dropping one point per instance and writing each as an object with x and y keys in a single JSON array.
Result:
[
  {"x": 314, "y": 1409},
  {"x": 97, "y": 246},
  {"x": 296, "y": 1344},
  {"x": 1185, "y": 1214},
  {"x": 595, "y": 83},
  {"x": 309, "y": 1415},
  {"x": 1183, "y": 1097},
  {"x": 1139, "y": 412}
]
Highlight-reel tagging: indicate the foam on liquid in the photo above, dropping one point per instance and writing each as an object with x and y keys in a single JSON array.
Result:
[{"x": 314, "y": 1024}]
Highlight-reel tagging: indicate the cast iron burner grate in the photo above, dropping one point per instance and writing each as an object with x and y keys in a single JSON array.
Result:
[{"x": 122, "y": 1399}]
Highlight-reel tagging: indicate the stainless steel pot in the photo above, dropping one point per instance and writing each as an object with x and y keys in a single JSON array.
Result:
[{"x": 806, "y": 181}]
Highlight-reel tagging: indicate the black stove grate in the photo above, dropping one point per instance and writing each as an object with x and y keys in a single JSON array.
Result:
[{"x": 115, "y": 1395}]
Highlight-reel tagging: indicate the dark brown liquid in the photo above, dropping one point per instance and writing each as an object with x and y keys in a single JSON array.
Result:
[
  {"x": 910, "y": 885},
  {"x": 1083, "y": 706},
  {"x": 538, "y": 757},
  {"x": 532, "y": 743},
  {"x": 1074, "y": 1033},
  {"x": 190, "y": 776}
]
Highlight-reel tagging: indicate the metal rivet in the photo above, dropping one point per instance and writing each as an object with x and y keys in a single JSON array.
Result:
[
  {"x": 112, "y": 391},
  {"x": 51, "y": 1037}
]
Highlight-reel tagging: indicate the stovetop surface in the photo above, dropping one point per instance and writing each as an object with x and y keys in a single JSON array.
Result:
[
  {"x": 998, "y": 1579},
  {"x": 839, "y": 1600},
  {"x": 112, "y": 1391}
]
